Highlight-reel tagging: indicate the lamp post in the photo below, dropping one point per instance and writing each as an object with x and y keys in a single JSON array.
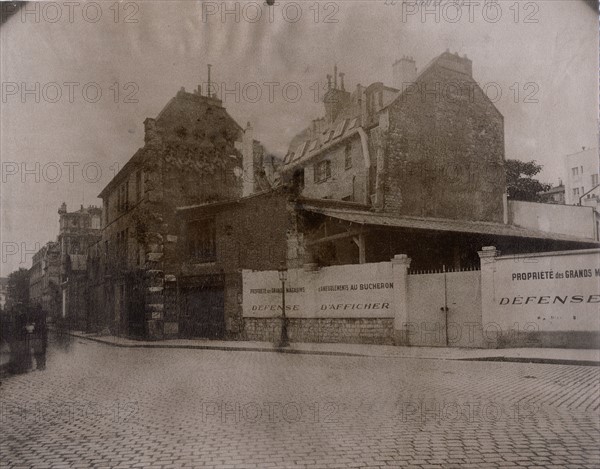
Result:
[{"x": 284, "y": 341}]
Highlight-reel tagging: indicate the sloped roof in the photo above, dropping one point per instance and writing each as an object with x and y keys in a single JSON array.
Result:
[{"x": 366, "y": 217}]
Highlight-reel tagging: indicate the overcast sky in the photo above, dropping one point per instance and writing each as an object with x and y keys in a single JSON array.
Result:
[{"x": 547, "y": 50}]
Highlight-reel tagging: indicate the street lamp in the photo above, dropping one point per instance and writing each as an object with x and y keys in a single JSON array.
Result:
[{"x": 284, "y": 341}]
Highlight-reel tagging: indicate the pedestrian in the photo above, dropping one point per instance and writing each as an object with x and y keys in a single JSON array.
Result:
[
  {"x": 40, "y": 338},
  {"x": 20, "y": 350}
]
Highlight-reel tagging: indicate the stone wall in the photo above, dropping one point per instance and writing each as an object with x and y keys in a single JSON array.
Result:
[
  {"x": 332, "y": 330},
  {"x": 547, "y": 299},
  {"x": 445, "y": 150},
  {"x": 348, "y": 183},
  {"x": 251, "y": 233}
]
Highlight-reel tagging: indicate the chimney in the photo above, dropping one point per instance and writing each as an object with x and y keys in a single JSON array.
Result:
[
  {"x": 335, "y": 75},
  {"x": 361, "y": 104},
  {"x": 456, "y": 62},
  {"x": 248, "y": 161},
  {"x": 335, "y": 99},
  {"x": 404, "y": 72},
  {"x": 151, "y": 135}
]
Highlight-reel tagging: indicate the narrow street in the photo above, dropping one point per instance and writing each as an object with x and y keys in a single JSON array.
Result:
[{"x": 102, "y": 406}]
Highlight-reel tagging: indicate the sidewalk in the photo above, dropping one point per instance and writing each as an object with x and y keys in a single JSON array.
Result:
[{"x": 524, "y": 355}]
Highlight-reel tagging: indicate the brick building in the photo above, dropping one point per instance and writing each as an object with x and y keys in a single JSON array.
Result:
[{"x": 194, "y": 152}]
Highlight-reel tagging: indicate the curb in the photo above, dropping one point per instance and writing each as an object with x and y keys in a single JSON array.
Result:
[
  {"x": 223, "y": 349},
  {"x": 547, "y": 361}
]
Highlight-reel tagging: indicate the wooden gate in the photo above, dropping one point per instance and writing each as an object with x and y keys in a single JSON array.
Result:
[
  {"x": 444, "y": 308},
  {"x": 202, "y": 307}
]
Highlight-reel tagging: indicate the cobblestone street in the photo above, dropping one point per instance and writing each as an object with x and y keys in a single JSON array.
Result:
[{"x": 102, "y": 406}]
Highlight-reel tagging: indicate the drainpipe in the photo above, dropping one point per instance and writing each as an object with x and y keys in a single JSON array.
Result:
[{"x": 505, "y": 207}]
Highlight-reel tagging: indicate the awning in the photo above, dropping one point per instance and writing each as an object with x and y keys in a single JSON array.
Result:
[{"x": 364, "y": 217}]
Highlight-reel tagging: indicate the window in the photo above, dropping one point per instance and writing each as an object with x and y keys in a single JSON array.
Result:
[
  {"x": 339, "y": 129},
  {"x": 576, "y": 191},
  {"x": 322, "y": 171},
  {"x": 594, "y": 180},
  {"x": 575, "y": 172},
  {"x": 123, "y": 197},
  {"x": 352, "y": 123},
  {"x": 139, "y": 175},
  {"x": 348, "y": 155},
  {"x": 122, "y": 244},
  {"x": 300, "y": 151},
  {"x": 201, "y": 240}
]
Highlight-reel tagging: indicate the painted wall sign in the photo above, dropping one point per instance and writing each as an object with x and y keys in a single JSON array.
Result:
[
  {"x": 349, "y": 291},
  {"x": 553, "y": 291}
]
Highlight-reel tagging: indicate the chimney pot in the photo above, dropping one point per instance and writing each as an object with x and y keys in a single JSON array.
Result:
[{"x": 404, "y": 72}]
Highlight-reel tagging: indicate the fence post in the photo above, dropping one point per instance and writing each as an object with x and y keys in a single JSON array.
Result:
[
  {"x": 400, "y": 265},
  {"x": 487, "y": 257}
]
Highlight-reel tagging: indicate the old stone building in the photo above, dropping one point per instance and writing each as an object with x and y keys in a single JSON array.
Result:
[
  {"x": 215, "y": 242},
  {"x": 77, "y": 231},
  {"x": 386, "y": 171},
  {"x": 58, "y": 276},
  {"x": 194, "y": 152},
  {"x": 427, "y": 151},
  {"x": 44, "y": 279},
  {"x": 432, "y": 145}
]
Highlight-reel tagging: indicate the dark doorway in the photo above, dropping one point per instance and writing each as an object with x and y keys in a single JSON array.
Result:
[
  {"x": 203, "y": 311},
  {"x": 135, "y": 304}
]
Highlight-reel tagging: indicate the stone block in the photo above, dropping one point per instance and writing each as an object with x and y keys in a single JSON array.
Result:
[{"x": 171, "y": 329}]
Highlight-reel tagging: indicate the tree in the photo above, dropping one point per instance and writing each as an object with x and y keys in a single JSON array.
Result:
[
  {"x": 17, "y": 289},
  {"x": 520, "y": 184}
]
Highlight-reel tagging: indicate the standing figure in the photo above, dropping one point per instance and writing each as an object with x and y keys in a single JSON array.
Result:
[{"x": 40, "y": 342}]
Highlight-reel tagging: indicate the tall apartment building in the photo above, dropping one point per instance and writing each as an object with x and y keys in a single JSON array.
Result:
[
  {"x": 581, "y": 182},
  {"x": 78, "y": 230}
]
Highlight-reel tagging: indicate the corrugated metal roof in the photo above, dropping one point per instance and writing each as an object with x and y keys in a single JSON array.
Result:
[{"x": 438, "y": 224}]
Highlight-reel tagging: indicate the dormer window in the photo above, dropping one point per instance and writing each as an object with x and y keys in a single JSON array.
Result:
[
  {"x": 300, "y": 151},
  {"x": 348, "y": 155},
  {"x": 339, "y": 129}
]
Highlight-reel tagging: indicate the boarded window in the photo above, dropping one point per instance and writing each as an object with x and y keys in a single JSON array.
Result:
[
  {"x": 201, "y": 240},
  {"x": 322, "y": 171},
  {"x": 348, "y": 155}
]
